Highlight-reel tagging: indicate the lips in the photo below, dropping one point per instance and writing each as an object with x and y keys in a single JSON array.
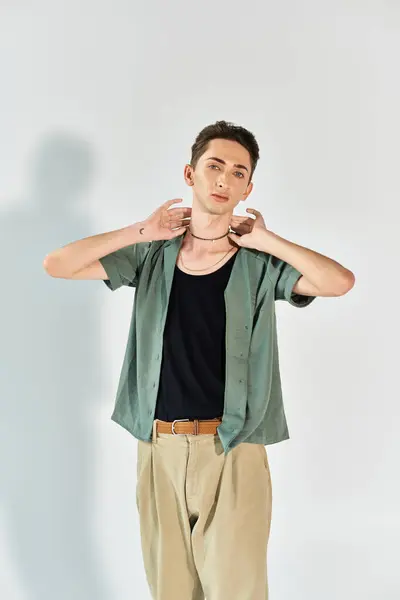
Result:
[{"x": 219, "y": 197}]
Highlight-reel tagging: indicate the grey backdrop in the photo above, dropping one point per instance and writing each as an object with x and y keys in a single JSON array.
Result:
[{"x": 99, "y": 104}]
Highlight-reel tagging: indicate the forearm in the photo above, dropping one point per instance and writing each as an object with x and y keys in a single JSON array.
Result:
[
  {"x": 79, "y": 254},
  {"x": 322, "y": 271}
]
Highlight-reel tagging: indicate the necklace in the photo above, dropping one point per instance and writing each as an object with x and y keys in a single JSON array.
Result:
[
  {"x": 211, "y": 239},
  {"x": 196, "y": 270}
]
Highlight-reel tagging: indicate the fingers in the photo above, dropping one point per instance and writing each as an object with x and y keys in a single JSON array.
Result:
[
  {"x": 242, "y": 219},
  {"x": 176, "y": 232},
  {"x": 254, "y": 211},
  {"x": 241, "y": 229},
  {"x": 177, "y": 223},
  {"x": 170, "y": 202},
  {"x": 179, "y": 213},
  {"x": 235, "y": 238},
  {"x": 243, "y": 222}
]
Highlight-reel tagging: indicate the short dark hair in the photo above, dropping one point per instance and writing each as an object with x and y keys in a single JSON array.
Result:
[{"x": 227, "y": 131}]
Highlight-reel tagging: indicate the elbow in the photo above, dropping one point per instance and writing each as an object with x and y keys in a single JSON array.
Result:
[
  {"x": 346, "y": 284},
  {"x": 52, "y": 266},
  {"x": 47, "y": 264}
]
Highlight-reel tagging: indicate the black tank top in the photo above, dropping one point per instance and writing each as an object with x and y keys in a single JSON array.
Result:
[{"x": 192, "y": 378}]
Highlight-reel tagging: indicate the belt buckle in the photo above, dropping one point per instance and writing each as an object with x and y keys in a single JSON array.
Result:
[{"x": 173, "y": 423}]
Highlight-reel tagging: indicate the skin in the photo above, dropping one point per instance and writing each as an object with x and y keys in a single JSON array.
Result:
[
  {"x": 210, "y": 218},
  {"x": 322, "y": 276}
]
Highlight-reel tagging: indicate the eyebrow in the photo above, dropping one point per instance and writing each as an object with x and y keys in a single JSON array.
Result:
[{"x": 224, "y": 163}]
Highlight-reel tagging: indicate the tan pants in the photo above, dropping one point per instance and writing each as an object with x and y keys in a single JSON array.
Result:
[{"x": 204, "y": 517}]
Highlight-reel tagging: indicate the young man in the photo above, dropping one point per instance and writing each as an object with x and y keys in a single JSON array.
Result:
[{"x": 200, "y": 384}]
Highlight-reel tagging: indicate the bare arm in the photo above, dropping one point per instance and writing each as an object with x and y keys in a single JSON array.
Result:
[
  {"x": 80, "y": 259},
  {"x": 321, "y": 275}
]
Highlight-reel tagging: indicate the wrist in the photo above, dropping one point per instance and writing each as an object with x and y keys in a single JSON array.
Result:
[
  {"x": 132, "y": 235},
  {"x": 266, "y": 241}
]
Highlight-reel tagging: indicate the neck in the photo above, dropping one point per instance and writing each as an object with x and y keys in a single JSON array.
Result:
[
  {"x": 208, "y": 226},
  {"x": 213, "y": 242}
]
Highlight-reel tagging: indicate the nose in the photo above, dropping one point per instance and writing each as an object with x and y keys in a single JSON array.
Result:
[{"x": 221, "y": 182}]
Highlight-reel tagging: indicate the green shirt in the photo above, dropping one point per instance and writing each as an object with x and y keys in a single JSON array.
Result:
[{"x": 253, "y": 406}]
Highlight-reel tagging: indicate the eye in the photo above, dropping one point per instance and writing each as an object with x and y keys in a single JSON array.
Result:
[{"x": 236, "y": 172}]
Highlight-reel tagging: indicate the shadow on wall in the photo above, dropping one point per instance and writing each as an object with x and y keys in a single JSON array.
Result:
[{"x": 50, "y": 358}]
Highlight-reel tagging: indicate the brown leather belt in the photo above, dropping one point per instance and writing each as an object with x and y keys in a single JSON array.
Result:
[{"x": 186, "y": 427}]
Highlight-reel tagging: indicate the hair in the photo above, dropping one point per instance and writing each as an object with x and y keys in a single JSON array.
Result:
[{"x": 227, "y": 131}]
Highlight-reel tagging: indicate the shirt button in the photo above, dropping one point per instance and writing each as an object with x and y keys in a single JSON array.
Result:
[{"x": 246, "y": 326}]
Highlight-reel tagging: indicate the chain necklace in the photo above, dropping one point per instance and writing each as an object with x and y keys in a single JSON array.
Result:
[
  {"x": 196, "y": 270},
  {"x": 208, "y": 240}
]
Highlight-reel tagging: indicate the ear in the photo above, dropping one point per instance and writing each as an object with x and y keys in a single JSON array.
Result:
[
  {"x": 188, "y": 174},
  {"x": 247, "y": 192}
]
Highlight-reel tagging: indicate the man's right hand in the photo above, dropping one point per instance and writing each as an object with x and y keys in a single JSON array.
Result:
[
  {"x": 165, "y": 223},
  {"x": 80, "y": 259}
]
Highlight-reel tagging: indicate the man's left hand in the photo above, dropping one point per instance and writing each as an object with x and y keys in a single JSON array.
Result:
[{"x": 250, "y": 233}]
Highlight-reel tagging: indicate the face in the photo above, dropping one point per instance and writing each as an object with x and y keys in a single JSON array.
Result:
[{"x": 224, "y": 168}]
